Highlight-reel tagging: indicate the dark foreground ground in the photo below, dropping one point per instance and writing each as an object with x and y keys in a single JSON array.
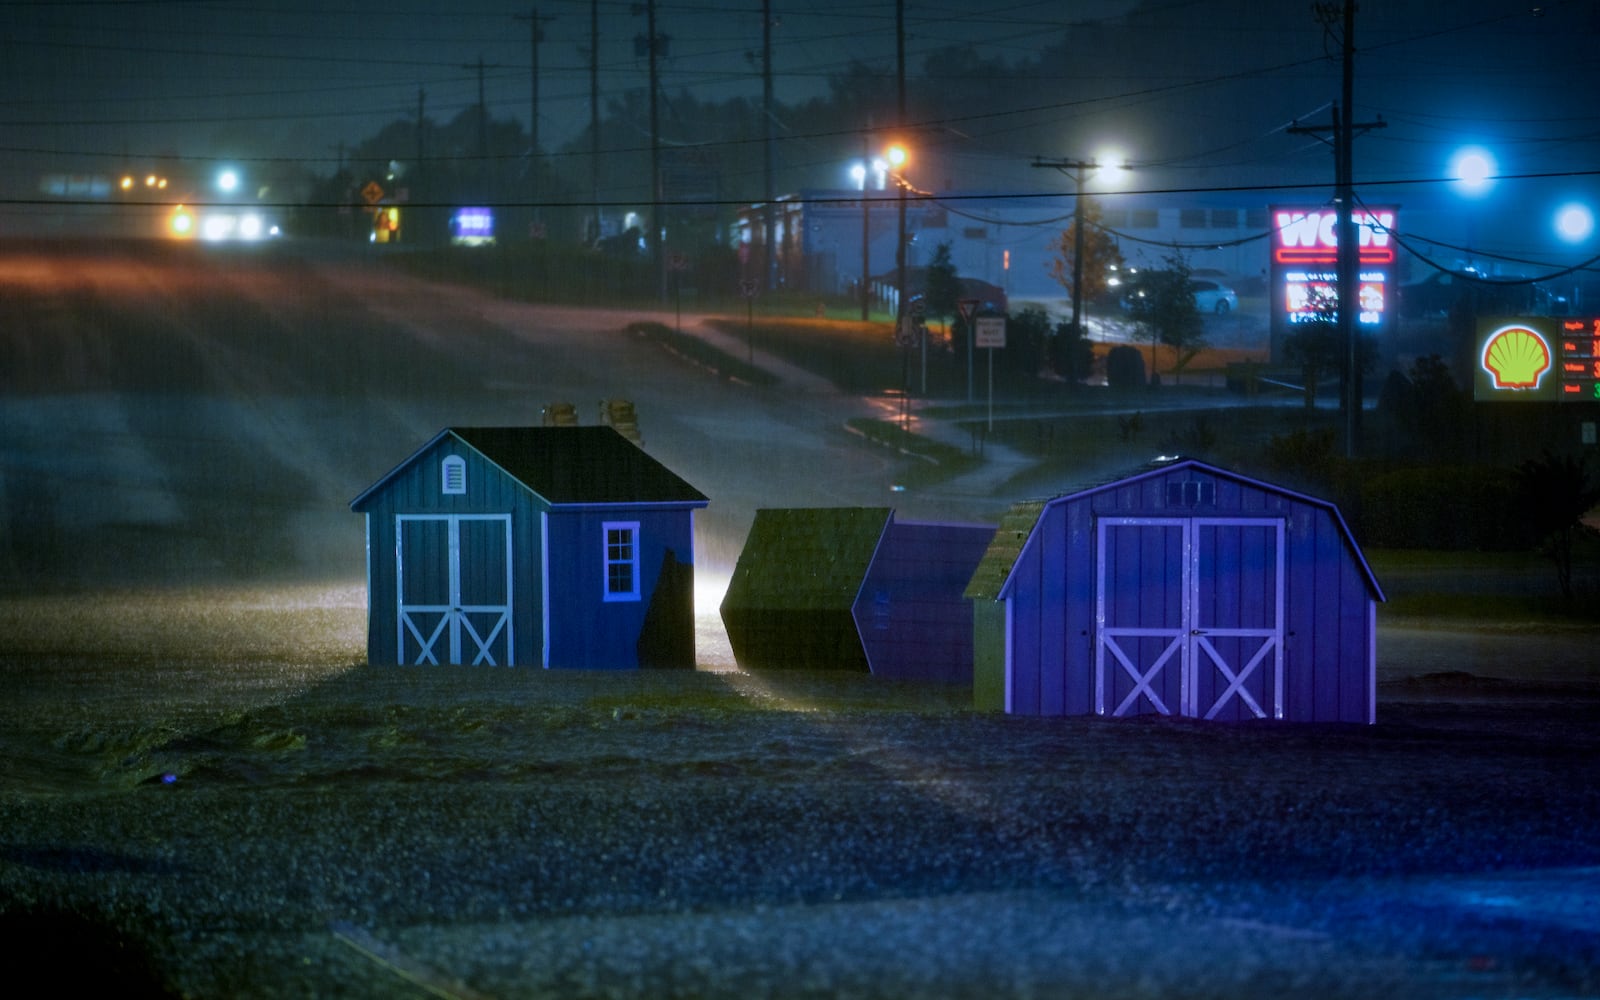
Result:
[{"x": 275, "y": 821}]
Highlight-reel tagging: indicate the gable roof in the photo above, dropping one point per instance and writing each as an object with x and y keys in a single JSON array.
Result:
[
  {"x": 809, "y": 558},
  {"x": 566, "y": 465},
  {"x": 993, "y": 576}
]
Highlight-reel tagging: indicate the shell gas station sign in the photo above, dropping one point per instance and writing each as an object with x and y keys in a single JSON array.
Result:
[{"x": 1533, "y": 359}]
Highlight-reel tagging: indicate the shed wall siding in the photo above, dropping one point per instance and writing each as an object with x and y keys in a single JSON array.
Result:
[
  {"x": 913, "y": 621},
  {"x": 1051, "y": 596},
  {"x": 588, "y": 631},
  {"x": 417, "y": 490}
]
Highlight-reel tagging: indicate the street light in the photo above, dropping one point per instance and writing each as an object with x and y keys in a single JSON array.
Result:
[
  {"x": 1079, "y": 171},
  {"x": 1574, "y": 222},
  {"x": 860, "y": 172},
  {"x": 897, "y": 157},
  {"x": 1473, "y": 170}
]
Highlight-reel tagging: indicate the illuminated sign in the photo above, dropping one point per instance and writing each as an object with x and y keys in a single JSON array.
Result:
[
  {"x": 1305, "y": 266},
  {"x": 472, "y": 226},
  {"x": 1311, "y": 236},
  {"x": 1538, "y": 359}
]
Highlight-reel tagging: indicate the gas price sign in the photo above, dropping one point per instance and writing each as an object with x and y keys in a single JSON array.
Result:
[
  {"x": 1538, "y": 359},
  {"x": 1305, "y": 267}
]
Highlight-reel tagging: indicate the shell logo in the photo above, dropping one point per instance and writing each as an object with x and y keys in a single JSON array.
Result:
[{"x": 1516, "y": 358}]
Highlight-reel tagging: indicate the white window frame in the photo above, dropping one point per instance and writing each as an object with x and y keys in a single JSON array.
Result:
[
  {"x": 453, "y": 476},
  {"x": 608, "y": 562}
]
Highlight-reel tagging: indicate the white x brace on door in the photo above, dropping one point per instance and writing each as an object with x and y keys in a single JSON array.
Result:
[
  {"x": 453, "y": 584},
  {"x": 1189, "y": 615}
]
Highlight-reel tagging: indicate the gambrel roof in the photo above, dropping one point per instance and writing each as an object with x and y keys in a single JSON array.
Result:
[
  {"x": 993, "y": 576},
  {"x": 566, "y": 466}
]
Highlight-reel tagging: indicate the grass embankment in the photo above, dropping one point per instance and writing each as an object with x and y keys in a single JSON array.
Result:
[{"x": 1489, "y": 589}]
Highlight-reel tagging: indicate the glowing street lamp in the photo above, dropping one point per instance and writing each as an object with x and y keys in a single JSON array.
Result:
[
  {"x": 228, "y": 181},
  {"x": 860, "y": 172},
  {"x": 1473, "y": 171},
  {"x": 1079, "y": 171},
  {"x": 897, "y": 157},
  {"x": 1574, "y": 222}
]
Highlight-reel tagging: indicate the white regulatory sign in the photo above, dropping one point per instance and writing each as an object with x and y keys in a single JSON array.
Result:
[{"x": 991, "y": 331}]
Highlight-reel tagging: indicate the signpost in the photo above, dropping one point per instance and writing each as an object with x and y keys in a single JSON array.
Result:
[
  {"x": 990, "y": 332},
  {"x": 747, "y": 288},
  {"x": 968, "y": 310}
]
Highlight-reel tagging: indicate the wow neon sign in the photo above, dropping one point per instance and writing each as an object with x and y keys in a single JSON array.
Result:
[
  {"x": 1311, "y": 236},
  {"x": 1305, "y": 266}
]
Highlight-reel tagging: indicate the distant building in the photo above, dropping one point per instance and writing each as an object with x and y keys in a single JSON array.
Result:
[
  {"x": 1002, "y": 239},
  {"x": 530, "y": 546}
]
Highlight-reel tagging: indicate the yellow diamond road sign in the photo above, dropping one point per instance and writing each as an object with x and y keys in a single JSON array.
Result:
[{"x": 372, "y": 193}]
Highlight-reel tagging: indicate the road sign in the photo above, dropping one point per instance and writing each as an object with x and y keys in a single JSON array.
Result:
[
  {"x": 907, "y": 330},
  {"x": 967, "y": 308},
  {"x": 991, "y": 331},
  {"x": 748, "y": 287},
  {"x": 372, "y": 193}
]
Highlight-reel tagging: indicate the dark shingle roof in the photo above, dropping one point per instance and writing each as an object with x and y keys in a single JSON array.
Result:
[{"x": 568, "y": 465}]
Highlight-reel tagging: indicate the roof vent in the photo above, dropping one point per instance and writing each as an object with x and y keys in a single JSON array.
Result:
[{"x": 1192, "y": 494}]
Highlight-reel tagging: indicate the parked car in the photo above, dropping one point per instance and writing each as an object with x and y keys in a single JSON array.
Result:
[
  {"x": 1212, "y": 297},
  {"x": 1209, "y": 296}
]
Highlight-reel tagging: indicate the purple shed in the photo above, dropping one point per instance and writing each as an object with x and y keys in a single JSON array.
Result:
[
  {"x": 853, "y": 588},
  {"x": 1183, "y": 589}
]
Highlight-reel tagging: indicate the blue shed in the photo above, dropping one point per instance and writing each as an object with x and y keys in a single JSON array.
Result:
[
  {"x": 530, "y": 546},
  {"x": 1183, "y": 589},
  {"x": 855, "y": 589}
]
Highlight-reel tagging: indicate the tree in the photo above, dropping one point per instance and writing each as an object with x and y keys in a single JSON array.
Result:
[
  {"x": 942, "y": 291},
  {"x": 1100, "y": 252},
  {"x": 1071, "y": 353},
  {"x": 1025, "y": 336},
  {"x": 1555, "y": 493},
  {"x": 1165, "y": 309},
  {"x": 1316, "y": 344}
]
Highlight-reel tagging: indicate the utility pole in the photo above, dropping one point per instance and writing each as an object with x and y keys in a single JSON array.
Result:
[
  {"x": 770, "y": 211},
  {"x": 652, "y": 44},
  {"x": 594, "y": 115},
  {"x": 420, "y": 189},
  {"x": 536, "y": 31},
  {"x": 1348, "y": 269},
  {"x": 866, "y": 221},
  {"x": 483, "y": 114},
  {"x": 900, "y": 239},
  {"x": 1078, "y": 170}
]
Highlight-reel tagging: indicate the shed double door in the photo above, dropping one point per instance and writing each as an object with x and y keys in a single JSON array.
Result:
[
  {"x": 454, "y": 587},
  {"x": 1189, "y": 615}
]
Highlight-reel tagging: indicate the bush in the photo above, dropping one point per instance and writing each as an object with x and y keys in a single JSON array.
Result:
[
  {"x": 1441, "y": 507},
  {"x": 1125, "y": 368}
]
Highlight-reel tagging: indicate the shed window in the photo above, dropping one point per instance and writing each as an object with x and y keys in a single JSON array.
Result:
[
  {"x": 453, "y": 475},
  {"x": 622, "y": 560}
]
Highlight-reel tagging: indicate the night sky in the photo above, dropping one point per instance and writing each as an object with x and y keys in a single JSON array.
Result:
[{"x": 1197, "y": 93}]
